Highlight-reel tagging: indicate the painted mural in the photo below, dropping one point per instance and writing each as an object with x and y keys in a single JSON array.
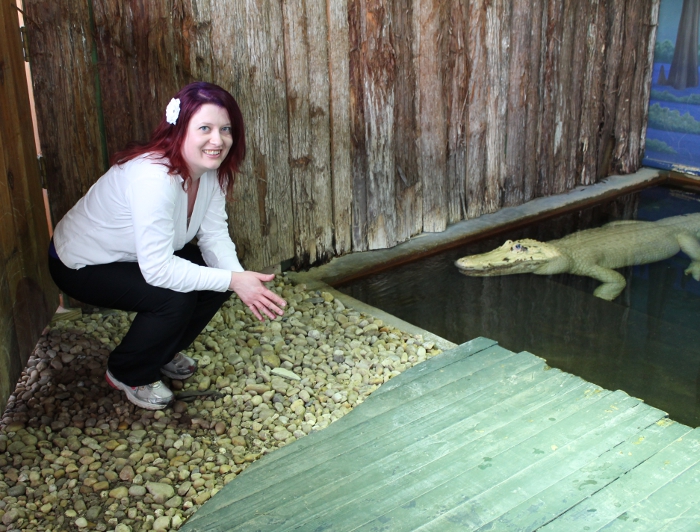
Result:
[{"x": 673, "y": 131}]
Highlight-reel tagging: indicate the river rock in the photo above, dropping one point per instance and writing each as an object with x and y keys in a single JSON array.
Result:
[
  {"x": 159, "y": 491},
  {"x": 286, "y": 374}
]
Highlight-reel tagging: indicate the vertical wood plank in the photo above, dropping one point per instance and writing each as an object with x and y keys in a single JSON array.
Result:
[
  {"x": 248, "y": 55},
  {"x": 569, "y": 94},
  {"x": 592, "y": 96},
  {"x": 534, "y": 101},
  {"x": 496, "y": 78},
  {"x": 550, "y": 126},
  {"x": 519, "y": 74},
  {"x": 379, "y": 75},
  {"x": 306, "y": 61},
  {"x": 29, "y": 297},
  {"x": 432, "y": 140},
  {"x": 357, "y": 116},
  {"x": 629, "y": 39},
  {"x": 409, "y": 185},
  {"x": 477, "y": 101},
  {"x": 456, "y": 85},
  {"x": 66, "y": 104},
  {"x": 612, "y": 59},
  {"x": 341, "y": 144}
]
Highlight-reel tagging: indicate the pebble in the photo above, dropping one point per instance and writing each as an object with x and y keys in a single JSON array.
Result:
[
  {"x": 73, "y": 449},
  {"x": 285, "y": 373}
]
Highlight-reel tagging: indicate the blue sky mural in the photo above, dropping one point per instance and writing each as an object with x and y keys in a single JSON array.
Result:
[{"x": 673, "y": 131}]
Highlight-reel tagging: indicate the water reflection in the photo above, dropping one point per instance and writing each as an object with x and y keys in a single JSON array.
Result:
[{"x": 645, "y": 342}]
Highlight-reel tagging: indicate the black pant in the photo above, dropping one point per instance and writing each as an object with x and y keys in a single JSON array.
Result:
[{"x": 167, "y": 321}]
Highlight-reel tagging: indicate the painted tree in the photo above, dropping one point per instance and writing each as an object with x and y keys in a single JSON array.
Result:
[{"x": 684, "y": 67}]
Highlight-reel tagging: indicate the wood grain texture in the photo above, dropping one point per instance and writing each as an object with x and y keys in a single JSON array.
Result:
[
  {"x": 477, "y": 103},
  {"x": 592, "y": 98},
  {"x": 379, "y": 73},
  {"x": 341, "y": 143},
  {"x": 306, "y": 62},
  {"x": 432, "y": 115},
  {"x": 248, "y": 50},
  {"x": 28, "y": 296},
  {"x": 520, "y": 77},
  {"x": 409, "y": 182},
  {"x": 64, "y": 79},
  {"x": 456, "y": 83}
]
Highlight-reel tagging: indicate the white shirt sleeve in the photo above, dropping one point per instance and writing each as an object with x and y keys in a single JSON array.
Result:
[
  {"x": 153, "y": 198},
  {"x": 213, "y": 237}
]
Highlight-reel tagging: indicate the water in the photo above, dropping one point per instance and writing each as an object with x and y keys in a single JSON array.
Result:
[{"x": 646, "y": 342}]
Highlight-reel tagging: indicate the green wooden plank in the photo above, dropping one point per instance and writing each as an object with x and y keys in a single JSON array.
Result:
[
  {"x": 394, "y": 431},
  {"x": 488, "y": 500},
  {"x": 688, "y": 521},
  {"x": 425, "y": 383},
  {"x": 663, "y": 507},
  {"x": 618, "y": 497},
  {"x": 489, "y": 479},
  {"x": 444, "y": 359},
  {"x": 593, "y": 477},
  {"x": 395, "y": 453},
  {"x": 465, "y": 378},
  {"x": 393, "y": 481}
]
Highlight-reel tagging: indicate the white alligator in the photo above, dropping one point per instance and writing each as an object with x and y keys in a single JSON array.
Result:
[{"x": 595, "y": 252}]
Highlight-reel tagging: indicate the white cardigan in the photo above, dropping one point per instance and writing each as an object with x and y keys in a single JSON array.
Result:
[{"x": 137, "y": 212}]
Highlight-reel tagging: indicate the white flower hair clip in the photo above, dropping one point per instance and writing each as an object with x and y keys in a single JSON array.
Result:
[{"x": 172, "y": 111}]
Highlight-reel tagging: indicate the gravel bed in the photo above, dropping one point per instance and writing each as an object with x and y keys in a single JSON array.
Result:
[{"x": 76, "y": 455}]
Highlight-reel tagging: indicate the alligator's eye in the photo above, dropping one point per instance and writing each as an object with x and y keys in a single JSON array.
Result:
[{"x": 518, "y": 248}]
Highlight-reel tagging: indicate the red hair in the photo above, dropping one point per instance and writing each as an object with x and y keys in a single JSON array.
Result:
[{"x": 167, "y": 139}]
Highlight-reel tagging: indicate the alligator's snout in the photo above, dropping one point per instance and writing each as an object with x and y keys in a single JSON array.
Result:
[{"x": 522, "y": 256}]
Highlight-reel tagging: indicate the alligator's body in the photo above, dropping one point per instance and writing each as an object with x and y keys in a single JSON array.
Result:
[{"x": 595, "y": 252}]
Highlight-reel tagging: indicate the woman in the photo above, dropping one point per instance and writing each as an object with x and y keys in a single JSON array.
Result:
[{"x": 124, "y": 245}]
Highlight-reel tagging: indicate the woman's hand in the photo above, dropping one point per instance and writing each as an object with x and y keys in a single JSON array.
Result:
[{"x": 259, "y": 299}]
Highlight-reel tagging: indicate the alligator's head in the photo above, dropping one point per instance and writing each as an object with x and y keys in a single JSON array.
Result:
[{"x": 521, "y": 256}]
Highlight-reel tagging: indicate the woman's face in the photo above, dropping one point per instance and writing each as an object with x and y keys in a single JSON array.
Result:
[{"x": 208, "y": 139}]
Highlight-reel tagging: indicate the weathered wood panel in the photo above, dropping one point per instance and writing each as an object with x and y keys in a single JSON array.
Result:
[
  {"x": 341, "y": 144},
  {"x": 368, "y": 121},
  {"x": 432, "y": 140},
  {"x": 592, "y": 93},
  {"x": 409, "y": 203},
  {"x": 306, "y": 58},
  {"x": 28, "y": 297},
  {"x": 456, "y": 88},
  {"x": 477, "y": 103},
  {"x": 519, "y": 75},
  {"x": 64, "y": 79},
  {"x": 248, "y": 49},
  {"x": 379, "y": 74}
]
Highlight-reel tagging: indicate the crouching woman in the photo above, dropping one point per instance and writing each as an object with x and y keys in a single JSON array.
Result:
[{"x": 126, "y": 243}]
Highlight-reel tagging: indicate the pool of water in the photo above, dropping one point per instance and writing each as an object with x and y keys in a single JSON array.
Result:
[{"x": 645, "y": 342}]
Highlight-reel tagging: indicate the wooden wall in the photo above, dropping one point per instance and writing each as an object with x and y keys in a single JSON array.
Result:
[
  {"x": 368, "y": 121},
  {"x": 28, "y": 297}
]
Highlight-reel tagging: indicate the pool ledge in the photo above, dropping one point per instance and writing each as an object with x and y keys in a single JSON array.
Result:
[{"x": 355, "y": 264}]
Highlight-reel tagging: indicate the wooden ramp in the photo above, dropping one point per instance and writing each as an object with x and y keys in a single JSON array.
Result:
[{"x": 478, "y": 438}]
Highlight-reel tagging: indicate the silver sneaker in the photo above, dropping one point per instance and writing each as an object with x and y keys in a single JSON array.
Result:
[
  {"x": 154, "y": 396},
  {"x": 181, "y": 367}
]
